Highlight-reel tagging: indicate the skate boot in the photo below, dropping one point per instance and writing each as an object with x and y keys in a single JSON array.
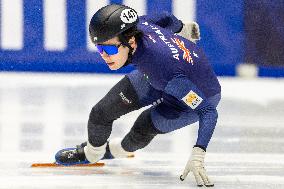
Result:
[{"x": 72, "y": 156}]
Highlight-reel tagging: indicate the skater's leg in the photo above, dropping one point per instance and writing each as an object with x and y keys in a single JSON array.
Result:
[
  {"x": 143, "y": 131},
  {"x": 120, "y": 100},
  {"x": 141, "y": 134},
  {"x": 131, "y": 93}
]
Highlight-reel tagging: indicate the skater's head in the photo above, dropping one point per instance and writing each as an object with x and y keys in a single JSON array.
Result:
[{"x": 113, "y": 30}]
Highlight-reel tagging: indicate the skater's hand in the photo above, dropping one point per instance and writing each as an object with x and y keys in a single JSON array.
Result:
[
  {"x": 191, "y": 31},
  {"x": 195, "y": 164}
]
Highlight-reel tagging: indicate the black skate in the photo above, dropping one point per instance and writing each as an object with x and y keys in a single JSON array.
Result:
[
  {"x": 72, "y": 156},
  {"x": 75, "y": 156}
]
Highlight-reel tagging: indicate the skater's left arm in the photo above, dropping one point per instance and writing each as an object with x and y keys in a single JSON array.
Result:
[{"x": 181, "y": 95}]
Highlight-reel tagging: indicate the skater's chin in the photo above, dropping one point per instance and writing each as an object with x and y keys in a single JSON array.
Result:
[{"x": 114, "y": 65}]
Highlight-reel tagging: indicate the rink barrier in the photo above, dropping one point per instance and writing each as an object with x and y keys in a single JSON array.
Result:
[{"x": 36, "y": 42}]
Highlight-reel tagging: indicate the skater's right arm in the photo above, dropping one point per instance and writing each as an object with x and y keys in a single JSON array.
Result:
[
  {"x": 189, "y": 30},
  {"x": 164, "y": 20}
]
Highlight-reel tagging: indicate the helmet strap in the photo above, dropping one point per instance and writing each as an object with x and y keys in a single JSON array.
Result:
[
  {"x": 125, "y": 43},
  {"x": 129, "y": 59}
]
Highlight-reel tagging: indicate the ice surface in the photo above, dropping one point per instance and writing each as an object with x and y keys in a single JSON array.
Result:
[{"x": 41, "y": 113}]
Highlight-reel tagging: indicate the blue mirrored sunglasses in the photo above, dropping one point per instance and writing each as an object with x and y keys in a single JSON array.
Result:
[{"x": 108, "y": 49}]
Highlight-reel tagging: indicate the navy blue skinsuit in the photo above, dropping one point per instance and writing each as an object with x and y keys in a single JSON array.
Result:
[{"x": 175, "y": 76}]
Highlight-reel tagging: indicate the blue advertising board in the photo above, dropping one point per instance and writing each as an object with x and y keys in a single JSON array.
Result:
[{"x": 228, "y": 33}]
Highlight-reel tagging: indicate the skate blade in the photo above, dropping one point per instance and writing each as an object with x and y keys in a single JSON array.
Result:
[{"x": 48, "y": 165}]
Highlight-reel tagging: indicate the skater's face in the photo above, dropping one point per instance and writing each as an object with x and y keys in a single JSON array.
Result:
[{"x": 114, "y": 54}]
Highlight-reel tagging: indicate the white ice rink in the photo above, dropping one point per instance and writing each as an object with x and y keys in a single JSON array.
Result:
[{"x": 42, "y": 113}]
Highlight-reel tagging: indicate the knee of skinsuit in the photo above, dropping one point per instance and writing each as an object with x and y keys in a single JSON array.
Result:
[
  {"x": 99, "y": 114},
  {"x": 141, "y": 134},
  {"x": 120, "y": 100},
  {"x": 143, "y": 127}
]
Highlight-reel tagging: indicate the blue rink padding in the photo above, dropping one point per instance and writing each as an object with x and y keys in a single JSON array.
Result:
[
  {"x": 270, "y": 71},
  {"x": 71, "y": 67},
  {"x": 222, "y": 33},
  {"x": 224, "y": 37},
  {"x": 100, "y": 67}
]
